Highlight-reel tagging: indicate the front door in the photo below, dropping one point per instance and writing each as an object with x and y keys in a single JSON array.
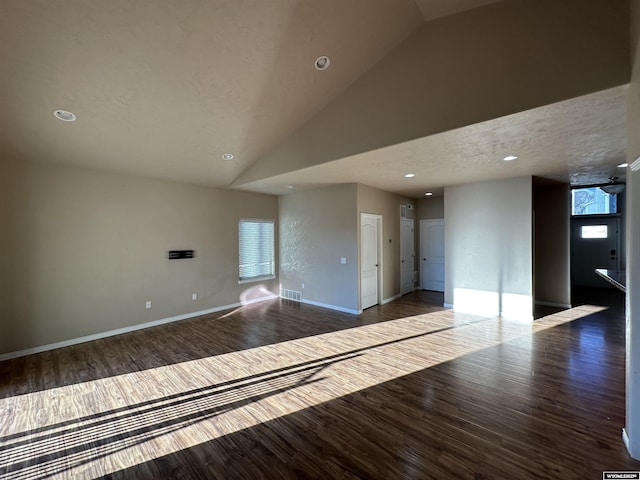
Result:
[
  {"x": 432, "y": 255},
  {"x": 595, "y": 243}
]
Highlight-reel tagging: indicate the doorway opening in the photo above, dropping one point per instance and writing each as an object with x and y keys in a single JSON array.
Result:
[
  {"x": 407, "y": 256},
  {"x": 597, "y": 241},
  {"x": 370, "y": 260}
]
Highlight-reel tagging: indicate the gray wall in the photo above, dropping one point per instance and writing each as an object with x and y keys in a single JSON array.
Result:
[
  {"x": 83, "y": 251},
  {"x": 317, "y": 228},
  {"x": 320, "y": 226},
  {"x": 552, "y": 265},
  {"x": 488, "y": 234},
  {"x": 430, "y": 208}
]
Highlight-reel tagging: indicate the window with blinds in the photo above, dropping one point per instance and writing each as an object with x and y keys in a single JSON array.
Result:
[{"x": 256, "y": 242}]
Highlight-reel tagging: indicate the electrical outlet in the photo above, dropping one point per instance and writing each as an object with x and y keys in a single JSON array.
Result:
[
  {"x": 194, "y": 296},
  {"x": 148, "y": 304},
  {"x": 303, "y": 286}
]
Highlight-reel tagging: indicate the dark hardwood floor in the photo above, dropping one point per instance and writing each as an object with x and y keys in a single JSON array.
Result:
[{"x": 283, "y": 390}]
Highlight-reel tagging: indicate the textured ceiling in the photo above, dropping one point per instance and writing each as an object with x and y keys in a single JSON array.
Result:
[
  {"x": 580, "y": 141},
  {"x": 164, "y": 88},
  {"x": 432, "y": 9}
]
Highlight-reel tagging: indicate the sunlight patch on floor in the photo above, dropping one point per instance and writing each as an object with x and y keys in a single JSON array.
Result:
[{"x": 92, "y": 429}]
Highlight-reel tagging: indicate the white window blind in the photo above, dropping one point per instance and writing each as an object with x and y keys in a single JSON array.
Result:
[{"x": 256, "y": 242}]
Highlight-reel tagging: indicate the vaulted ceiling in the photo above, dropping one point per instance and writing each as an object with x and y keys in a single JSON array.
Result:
[{"x": 164, "y": 88}]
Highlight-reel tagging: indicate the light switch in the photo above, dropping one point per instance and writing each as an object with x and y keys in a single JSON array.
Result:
[{"x": 343, "y": 260}]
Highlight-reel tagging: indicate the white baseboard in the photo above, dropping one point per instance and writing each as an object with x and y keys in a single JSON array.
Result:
[
  {"x": 249, "y": 302},
  {"x": 551, "y": 304},
  {"x": 627, "y": 443},
  {"x": 625, "y": 440},
  {"x": 132, "y": 328},
  {"x": 331, "y": 307},
  {"x": 518, "y": 319},
  {"x": 391, "y": 299},
  {"x": 500, "y": 314}
]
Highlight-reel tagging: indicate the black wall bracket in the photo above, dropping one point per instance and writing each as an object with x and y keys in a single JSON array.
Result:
[{"x": 175, "y": 254}]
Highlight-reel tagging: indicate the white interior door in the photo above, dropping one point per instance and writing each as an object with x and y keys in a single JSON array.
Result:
[
  {"x": 595, "y": 243},
  {"x": 406, "y": 255},
  {"x": 432, "y": 255},
  {"x": 369, "y": 260}
]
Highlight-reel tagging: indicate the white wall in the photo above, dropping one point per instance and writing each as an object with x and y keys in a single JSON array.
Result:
[
  {"x": 632, "y": 422},
  {"x": 488, "y": 234},
  {"x": 318, "y": 228}
]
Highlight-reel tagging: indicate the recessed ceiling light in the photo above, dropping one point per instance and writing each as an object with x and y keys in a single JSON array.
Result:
[
  {"x": 64, "y": 115},
  {"x": 510, "y": 158},
  {"x": 428, "y": 194},
  {"x": 289, "y": 186},
  {"x": 227, "y": 156},
  {"x": 409, "y": 175},
  {"x": 323, "y": 62},
  {"x": 623, "y": 165}
]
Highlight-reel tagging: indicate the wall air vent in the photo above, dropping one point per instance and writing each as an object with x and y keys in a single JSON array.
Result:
[{"x": 290, "y": 295}]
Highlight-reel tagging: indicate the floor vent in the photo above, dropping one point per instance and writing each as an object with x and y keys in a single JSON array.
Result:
[{"x": 290, "y": 295}]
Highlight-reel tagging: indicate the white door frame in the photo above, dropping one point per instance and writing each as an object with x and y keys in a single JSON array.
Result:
[
  {"x": 423, "y": 223},
  {"x": 378, "y": 219},
  {"x": 412, "y": 255}
]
